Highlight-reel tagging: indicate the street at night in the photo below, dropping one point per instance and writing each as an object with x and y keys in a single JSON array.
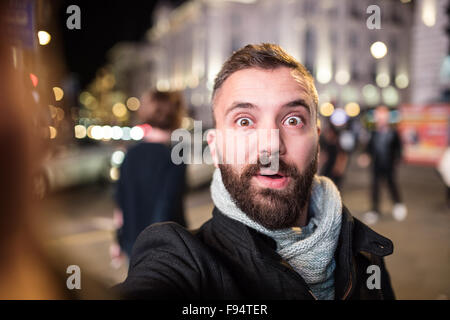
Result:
[
  {"x": 225, "y": 150},
  {"x": 85, "y": 228}
]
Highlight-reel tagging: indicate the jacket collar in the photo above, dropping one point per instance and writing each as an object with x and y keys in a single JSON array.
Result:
[{"x": 355, "y": 237}]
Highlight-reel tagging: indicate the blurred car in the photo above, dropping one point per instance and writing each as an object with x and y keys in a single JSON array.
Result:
[{"x": 75, "y": 166}]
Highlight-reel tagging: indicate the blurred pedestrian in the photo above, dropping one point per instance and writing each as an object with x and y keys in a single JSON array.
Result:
[
  {"x": 443, "y": 168},
  {"x": 334, "y": 157},
  {"x": 150, "y": 188},
  {"x": 385, "y": 152}
]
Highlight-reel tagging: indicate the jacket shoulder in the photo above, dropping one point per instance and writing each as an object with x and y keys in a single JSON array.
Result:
[
  {"x": 367, "y": 240},
  {"x": 162, "y": 264}
]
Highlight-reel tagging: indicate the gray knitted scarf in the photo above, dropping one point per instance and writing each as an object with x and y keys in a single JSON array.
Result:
[{"x": 309, "y": 250}]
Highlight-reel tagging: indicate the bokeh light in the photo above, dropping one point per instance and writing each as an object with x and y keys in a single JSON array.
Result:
[
  {"x": 378, "y": 50},
  {"x": 339, "y": 117},
  {"x": 383, "y": 80},
  {"x": 401, "y": 81},
  {"x": 44, "y": 37},
  {"x": 352, "y": 109},
  {"x": 58, "y": 92},
  {"x": 53, "y": 132},
  {"x": 119, "y": 110},
  {"x": 133, "y": 103},
  {"x": 80, "y": 131},
  {"x": 326, "y": 109}
]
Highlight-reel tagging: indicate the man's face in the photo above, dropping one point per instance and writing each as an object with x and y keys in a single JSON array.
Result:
[
  {"x": 266, "y": 101},
  {"x": 382, "y": 117}
]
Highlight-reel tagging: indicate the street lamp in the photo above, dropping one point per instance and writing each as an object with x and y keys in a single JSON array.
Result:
[{"x": 378, "y": 50}]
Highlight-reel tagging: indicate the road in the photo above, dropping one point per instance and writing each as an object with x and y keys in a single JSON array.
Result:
[{"x": 419, "y": 267}]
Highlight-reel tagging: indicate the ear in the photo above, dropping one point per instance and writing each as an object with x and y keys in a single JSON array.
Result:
[
  {"x": 318, "y": 127},
  {"x": 211, "y": 139}
]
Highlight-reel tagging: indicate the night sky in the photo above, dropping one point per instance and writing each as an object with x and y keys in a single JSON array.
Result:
[{"x": 103, "y": 24}]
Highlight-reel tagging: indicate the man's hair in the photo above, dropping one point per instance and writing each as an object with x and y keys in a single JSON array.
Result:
[
  {"x": 163, "y": 110},
  {"x": 265, "y": 56}
]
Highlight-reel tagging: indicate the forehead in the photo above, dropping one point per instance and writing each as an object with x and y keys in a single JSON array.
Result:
[{"x": 262, "y": 87}]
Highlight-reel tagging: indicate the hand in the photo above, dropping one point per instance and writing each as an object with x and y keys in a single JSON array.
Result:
[{"x": 116, "y": 255}]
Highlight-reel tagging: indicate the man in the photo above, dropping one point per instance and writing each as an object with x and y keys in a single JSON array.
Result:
[
  {"x": 384, "y": 149},
  {"x": 278, "y": 233}
]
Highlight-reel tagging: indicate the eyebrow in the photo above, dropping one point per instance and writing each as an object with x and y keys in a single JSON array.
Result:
[
  {"x": 240, "y": 105},
  {"x": 298, "y": 103},
  {"x": 248, "y": 105}
]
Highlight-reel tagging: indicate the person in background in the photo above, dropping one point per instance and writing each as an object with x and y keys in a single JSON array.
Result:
[
  {"x": 443, "y": 167},
  {"x": 334, "y": 157},
  {"x": 150, "y": 188},
  {"x": 384, "y": 149}
]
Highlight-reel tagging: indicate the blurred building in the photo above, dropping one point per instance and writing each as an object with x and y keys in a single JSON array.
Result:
[
  {"x": 430, "y": 52},
  {"x": 190, "y": 43}
]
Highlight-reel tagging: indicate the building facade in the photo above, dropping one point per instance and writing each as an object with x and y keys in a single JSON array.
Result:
[{"x": 331, "y": 38}]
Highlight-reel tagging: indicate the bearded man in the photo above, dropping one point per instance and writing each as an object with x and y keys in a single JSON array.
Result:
[{"x": 278, "y": 230}]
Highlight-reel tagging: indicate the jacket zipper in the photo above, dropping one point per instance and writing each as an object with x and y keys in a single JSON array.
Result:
[
  {"x": 310, "y": 292},
  {"x": 349, "y": 288}
]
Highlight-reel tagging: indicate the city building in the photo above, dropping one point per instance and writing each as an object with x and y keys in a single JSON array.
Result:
[
  {"x": 430, "y": 58},
  {"x": 333, "y": 39}
]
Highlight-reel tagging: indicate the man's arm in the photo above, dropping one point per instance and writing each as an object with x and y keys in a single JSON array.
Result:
[{"x": 161, "y": 266}]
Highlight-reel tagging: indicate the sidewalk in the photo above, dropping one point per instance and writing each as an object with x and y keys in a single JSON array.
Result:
[{"x": 420, "y": 264}]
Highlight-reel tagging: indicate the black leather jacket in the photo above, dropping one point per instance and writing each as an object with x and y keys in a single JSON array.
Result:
[{"x": 225, "y": 259}]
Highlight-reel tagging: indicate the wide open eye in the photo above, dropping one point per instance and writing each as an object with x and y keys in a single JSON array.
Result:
[
  {"x": 292, "y": 121},
  {"x": 244, "y": 122}
]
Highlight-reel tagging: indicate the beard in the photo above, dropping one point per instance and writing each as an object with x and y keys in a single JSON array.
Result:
[{"x": 272, "y": 208}]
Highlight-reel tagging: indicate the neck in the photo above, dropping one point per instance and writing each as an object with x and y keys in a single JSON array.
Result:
[{"x": 302, "y": 219}]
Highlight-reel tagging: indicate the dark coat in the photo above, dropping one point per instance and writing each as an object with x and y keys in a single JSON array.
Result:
[
  {"x": 393, "y": 151},
  {"x": 150, "y": 190},
  {"x": 225, "y": 259}
]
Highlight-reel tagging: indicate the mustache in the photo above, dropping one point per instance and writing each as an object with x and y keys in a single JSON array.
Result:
[{"x": 284, "y": 168}]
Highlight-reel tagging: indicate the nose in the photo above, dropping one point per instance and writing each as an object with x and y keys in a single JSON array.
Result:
[{"x": 270, "y": 142}]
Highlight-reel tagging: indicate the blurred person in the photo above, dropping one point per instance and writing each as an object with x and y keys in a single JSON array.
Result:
[
  {"x": 443, "y": 168},
  {"x": 29, "y": 268},
  {"x": 385, "y": 151},
  {"x": 334, "y": 157},
  {"x": 24, "y": 267},
  {"x": 151, "y": 187},
  {"x": 275, "y": 233}
]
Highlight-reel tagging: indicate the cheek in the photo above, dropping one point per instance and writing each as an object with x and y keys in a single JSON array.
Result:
[
  {"x": 237, "y": 148},
  {"x": 301, "y": 152}
]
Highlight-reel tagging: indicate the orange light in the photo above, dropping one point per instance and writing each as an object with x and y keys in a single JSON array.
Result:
[{"x": 34, "y": 79}]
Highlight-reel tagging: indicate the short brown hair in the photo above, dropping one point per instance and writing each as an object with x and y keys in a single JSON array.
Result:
[
  {"x": 264, "y": 56},
  {"x": 163, "y": 110}
]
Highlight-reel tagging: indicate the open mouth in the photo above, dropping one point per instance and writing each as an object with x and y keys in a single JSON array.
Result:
[
  {"x": 272, "y": 180},
  {"x": 274, "y": 176}
]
